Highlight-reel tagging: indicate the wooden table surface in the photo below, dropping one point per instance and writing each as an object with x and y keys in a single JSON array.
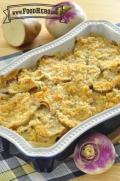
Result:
[{"x": 95, "y": 9}]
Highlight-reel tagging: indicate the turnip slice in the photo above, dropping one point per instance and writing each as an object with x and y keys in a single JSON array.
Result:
[
  {"x": 21, "y": 31},
  {"x": 94, "y": 154}
]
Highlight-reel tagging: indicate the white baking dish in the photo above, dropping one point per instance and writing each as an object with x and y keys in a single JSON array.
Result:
[{"x": 65, "y": 43}]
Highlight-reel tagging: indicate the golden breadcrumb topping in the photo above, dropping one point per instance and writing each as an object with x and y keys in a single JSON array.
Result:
[{"x": 42, "y": 103}]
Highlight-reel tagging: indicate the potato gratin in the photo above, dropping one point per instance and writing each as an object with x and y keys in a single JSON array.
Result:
[{"x": 43, "y": 103}]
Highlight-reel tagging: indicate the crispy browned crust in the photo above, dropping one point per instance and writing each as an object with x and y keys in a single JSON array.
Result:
[{"x": 44, "y": 102}]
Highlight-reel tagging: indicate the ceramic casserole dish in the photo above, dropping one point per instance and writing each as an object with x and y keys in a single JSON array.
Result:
[{"x": 45, "y": 159}]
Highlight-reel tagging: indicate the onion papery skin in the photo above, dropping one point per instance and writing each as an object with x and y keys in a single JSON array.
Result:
[{"x": 104, "y": 152}]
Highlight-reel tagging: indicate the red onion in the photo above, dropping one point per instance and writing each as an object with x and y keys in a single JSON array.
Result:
[
  {"x": 72, "y": 17},
  {"x": 94, "y": 154}
]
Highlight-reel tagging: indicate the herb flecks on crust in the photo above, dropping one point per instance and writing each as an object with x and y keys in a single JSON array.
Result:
[{"x": 44, "y": 102}]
